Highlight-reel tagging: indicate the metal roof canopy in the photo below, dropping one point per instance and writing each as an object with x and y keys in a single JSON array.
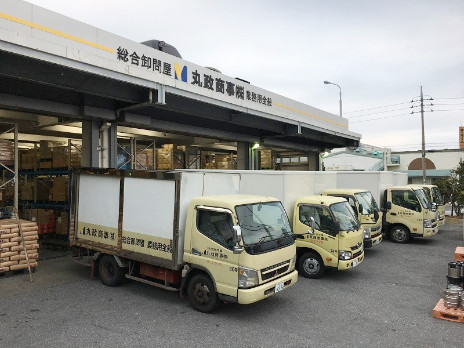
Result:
[{"x": 82, "y": 74}]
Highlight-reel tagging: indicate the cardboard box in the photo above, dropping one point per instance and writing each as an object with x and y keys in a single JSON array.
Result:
[
  {"x": 62, "y": 223},
  {"x": 59, "y": 191}
]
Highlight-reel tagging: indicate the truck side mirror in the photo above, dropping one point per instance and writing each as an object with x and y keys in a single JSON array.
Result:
[
  {"x": 313, "y": 225},
  {"x": 388, "y": 205},
  {"x": 336, "y": 227},
  {"x": 376, "y": 214},
  {"x": 237, "y": 234},
  {"x": 237, "y": 239},
  {"x": 361, "y": 209}
]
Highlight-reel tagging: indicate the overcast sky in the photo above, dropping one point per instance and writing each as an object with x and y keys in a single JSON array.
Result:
[{"x": 379, "y": 52}]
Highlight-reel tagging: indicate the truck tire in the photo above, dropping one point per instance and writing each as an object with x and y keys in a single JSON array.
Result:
[
  {"x": 310, "y": 265},
  {"x": 110, "y": 272},
  {"x": 201, "y": 293},
  {"x": 399, "y": 234}
]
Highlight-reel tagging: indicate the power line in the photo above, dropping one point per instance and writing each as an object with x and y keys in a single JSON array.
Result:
[
  {"x": 380, "y": 112},
  {"x": 449, "y": 98},
  {"x": 378, "y": 107},
  {"x": 380, "y": 118}
]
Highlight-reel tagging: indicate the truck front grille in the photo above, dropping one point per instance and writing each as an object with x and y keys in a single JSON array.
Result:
[
  {"x": 357, "y": 246},
  {"x": 275, "y": 270},
  {"x": 355, "y": 255},
  {"x": 375, "y": 228}
]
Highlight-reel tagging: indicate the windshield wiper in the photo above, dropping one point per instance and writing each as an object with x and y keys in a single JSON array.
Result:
[{"x": 264, "y": 237}]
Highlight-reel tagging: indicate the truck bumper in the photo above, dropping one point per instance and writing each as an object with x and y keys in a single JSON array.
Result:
[
  {"x": 347, "y": 264},
  {"x": 370, "y": 242},
  {"x": 429, "y": 232},
  {"x": 247, "y": 296}
]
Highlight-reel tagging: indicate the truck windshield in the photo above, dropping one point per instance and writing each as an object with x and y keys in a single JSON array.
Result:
[
  {"x": 423, "y": 198},
  {"x": 367, "y": 201},
  {"x": 437, "y": 198},
  {"x": 428, "y": 193},
  {"x": 345, "y": 216},
  {"x": 263, "y": 222}
]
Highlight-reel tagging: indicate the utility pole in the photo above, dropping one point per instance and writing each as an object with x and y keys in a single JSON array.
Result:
[{"x": 423, "y": 136}]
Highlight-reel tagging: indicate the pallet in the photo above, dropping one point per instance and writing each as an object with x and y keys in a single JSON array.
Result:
[
  {"x": 9, "y": 274},
  {"x": 451, "y": 314},
  {"x": 459, "y": 254}
]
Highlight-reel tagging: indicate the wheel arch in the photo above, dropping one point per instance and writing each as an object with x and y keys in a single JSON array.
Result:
[
  {"x": 193, "y": 271},
  {"x": 392, "y": 226}
]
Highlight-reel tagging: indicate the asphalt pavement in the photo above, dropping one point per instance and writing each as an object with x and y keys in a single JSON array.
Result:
[{"x": 386, "y": 301}]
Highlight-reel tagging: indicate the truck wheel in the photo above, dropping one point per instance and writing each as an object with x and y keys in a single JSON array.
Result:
[
  {"x": 201, "y": 293},
  {"x": 110, "y": 272},
  {"x": 310, "y": 265},
  {"x": 399, "y": 234}
]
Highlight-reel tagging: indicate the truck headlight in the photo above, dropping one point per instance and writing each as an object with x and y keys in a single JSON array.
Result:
[
  {"x": 344, "y": 255},
  {"x": 367, "y": 232},
  {"x": 427, "y": 223},
  {"x": 247, "y": 278}
]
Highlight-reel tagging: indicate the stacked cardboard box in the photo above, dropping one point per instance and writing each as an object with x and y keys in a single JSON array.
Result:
[
  {"x": 59, "y": 191},
  {"x": 6, "y": 152},
  {"x": 266, "y": 159},
  {"x": 12, "y": 254},
  {"x": 45, "y": 154},
  {"x": 224, "y": 161},
  {"x": 27, "y": 190},
  {"x": 61, "y": 157},
  {"x": 44, "y": 218},
  {"x": 62, "y": 223},
  {"x": 165, "y": 157},
  {"x": 29, "y": 159}
]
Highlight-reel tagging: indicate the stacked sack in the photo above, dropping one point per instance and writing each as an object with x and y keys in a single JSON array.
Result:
[{"x": 12, "y": 255}]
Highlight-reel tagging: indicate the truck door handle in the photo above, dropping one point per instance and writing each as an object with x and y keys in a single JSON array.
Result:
[
  {"x": 392, "y": 213},
  {"x": 196, "y": 252}
]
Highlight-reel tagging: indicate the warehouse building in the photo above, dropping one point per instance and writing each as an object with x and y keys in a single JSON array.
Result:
[{"x": 74, "y": 95}]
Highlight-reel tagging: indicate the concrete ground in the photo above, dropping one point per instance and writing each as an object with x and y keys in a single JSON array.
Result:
[{"x": 386, "y": 301}]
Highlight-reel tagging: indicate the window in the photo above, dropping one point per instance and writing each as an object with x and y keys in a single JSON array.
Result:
[
  {"x": 322, "y": 218},
  {"x": 217, "y": 226},
  {"x": 406, "y": 199}
]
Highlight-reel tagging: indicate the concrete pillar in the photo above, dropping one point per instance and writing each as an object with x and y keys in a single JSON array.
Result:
[
  {"x": 99, "y": 144},
  {"x": 243, "y": 156}
]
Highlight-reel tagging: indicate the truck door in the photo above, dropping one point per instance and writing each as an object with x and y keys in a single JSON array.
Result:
[
  {"x": 212, "y": 248},
  {"x": 407, "y": 210},
  {"x": 324, "y": 236}
]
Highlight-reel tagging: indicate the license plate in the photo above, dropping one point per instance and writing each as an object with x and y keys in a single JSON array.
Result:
[
  {"x": 279, "y": 286},
  {"x": 355, "y": 262}
]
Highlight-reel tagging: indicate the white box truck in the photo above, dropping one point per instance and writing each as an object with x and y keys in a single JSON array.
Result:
[{"x": 183, "y": 232}]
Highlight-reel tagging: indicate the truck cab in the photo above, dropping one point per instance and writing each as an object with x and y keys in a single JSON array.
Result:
[
  {"x": 329, "y": 233},
  {"x": 408, "y": 213},
  {"x": 434, "y": 195},
  {"x": 365, "y": 208},
  {"x": 243, "y": 243}
]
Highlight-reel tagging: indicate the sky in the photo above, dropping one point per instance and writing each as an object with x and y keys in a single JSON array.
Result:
[{"x": 380, "y": 53}]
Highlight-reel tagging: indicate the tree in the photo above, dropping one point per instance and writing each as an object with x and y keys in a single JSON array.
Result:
[{"x": 452, "y": 189}]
